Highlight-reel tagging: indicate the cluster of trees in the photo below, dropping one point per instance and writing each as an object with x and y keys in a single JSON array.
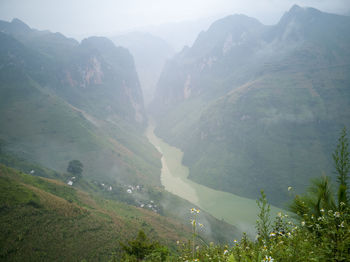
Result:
[
  {"x": 75, "y": 167},
  {"x": 319, "y": 231}
]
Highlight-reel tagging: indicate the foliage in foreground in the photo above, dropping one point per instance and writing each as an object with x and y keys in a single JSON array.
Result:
[{"x": 320, "y": 230}]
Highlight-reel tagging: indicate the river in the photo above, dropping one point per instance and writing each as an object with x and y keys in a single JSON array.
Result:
[{"x": 238, "y": 211}]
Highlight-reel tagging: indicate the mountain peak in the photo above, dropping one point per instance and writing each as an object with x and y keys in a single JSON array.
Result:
[
  {"x": 20, "y": 24},
  {"x": 297, "y": 10}
]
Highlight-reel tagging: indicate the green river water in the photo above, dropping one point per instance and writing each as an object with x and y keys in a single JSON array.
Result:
[{"x": 238, "y": 211}]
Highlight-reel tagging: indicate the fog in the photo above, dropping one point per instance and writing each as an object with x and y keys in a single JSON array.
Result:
[{"x": 81, "y": 18}]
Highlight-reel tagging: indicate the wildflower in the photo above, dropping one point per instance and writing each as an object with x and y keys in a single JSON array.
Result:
[
  {"x": 337, "y": 214},
  {"x": 196, "y": 259},
  {"x": 302, "y": 223},
  {"x": 201, "y": 225},
  {"x": 235, "y": 241},
  {"x": 289, "y": 234},
  {"x": 279, "y": 214},
  {"x": 265, "y": 247},
  {"x": 177, "y": 242},
  {"x": 193, "y": 210},
  {"x": 225, "y": 251},
  {"x": 193, "y": 222},
  {"x": 342, "y": 203},
  {"x": 289, "y": 188},
  {"x": 268, "y": 258},
  {"x": 322, "y": 210},
  {"x": 341, "y": 224},
  {"x": 272, "y": 234}
]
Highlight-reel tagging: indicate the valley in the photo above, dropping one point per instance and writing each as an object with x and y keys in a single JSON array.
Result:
[
  {"x": 238, "y": 211},
  {"x": 137, "y": 148}
]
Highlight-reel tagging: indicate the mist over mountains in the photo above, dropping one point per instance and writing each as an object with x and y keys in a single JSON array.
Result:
[
  {"x": 255, "y": 106},
  {"x": 246, "y": 107},
  {"x": 60, "y": 99}
]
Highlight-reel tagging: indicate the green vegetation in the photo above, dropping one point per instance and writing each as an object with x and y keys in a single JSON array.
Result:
[
  {"x": 51, "y": 207},
  {"x": 248, "y": 118},
  {"x": 220, "y": 204},
  {"x": 46, "y": 220},
  {"x": 319, "y": 232},
  {"x": 75, "y": 167},
  {"x": 142, "y": 249},
  {"x": 55, "y": 105}
]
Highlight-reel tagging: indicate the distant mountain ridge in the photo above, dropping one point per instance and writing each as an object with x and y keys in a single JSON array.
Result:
[
  {"x": 255, "y": 106},
  {"x": 150, "y": 53},
  {"x": 62, "y": 100},
  {"x": 94, "y": 62}
]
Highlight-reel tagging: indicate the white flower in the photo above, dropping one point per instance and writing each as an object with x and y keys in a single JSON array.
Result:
[
  {"x": 337, "y": 214},
  {"x": 342, "y": 224},
  {"x": 225, "y": 251},
  {"x": 322, "y": 210},
  {"x": 235, "y": 241},
  {"x": 303, "y": 223},
  {"x": 272, "y": 234},
  {"x": 289, "y": 188},
  {"x": 268, "y": 258}
]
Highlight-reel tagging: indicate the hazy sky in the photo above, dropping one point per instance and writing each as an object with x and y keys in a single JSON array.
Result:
[{"x": 86, "y": 17}]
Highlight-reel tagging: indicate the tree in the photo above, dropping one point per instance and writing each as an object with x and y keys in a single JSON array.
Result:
[
  {"x": 320, "y": 194},
  {"x": 2, "y": 145},
  {"x": 142, "y": 249},
  {"x": 75, "y": 167},
  {"x": 263, "y": 223},
  {"x": 342, "y": 166}
]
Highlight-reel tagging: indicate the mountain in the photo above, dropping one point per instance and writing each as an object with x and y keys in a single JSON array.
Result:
[
  {"x": 180, "y": 34},
  {"x": 259, "y": 107},
  {"x": 150, "y": 53},
  {"x": 62, "y": 100}
]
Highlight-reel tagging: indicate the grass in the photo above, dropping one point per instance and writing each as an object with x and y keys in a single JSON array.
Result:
[{"x": 46, "y": 220}]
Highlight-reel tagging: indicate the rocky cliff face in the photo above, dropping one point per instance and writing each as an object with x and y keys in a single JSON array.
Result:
[
  {"x": 257, "y": 106},
  {"x": 83, "y": 72},
  {"x": 62, "y": 100}
]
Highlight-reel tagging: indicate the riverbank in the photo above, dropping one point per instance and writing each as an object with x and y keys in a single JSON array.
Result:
[{"x": 238, "y": 211}]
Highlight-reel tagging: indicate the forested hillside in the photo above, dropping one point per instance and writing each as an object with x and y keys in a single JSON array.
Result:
[{"x": 255, "y": 106}]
